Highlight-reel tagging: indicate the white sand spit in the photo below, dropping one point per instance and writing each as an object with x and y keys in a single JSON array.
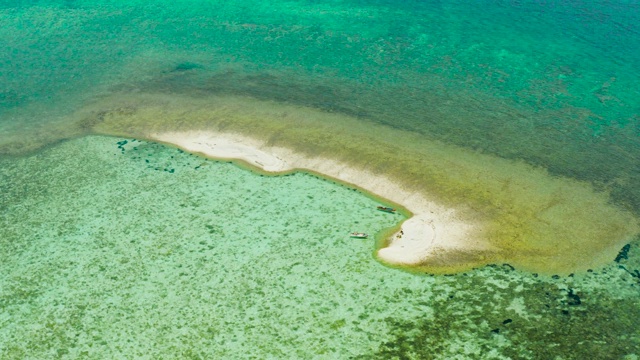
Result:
[
  {"x": 232, "y": 147},
  {"x": 432, "y": 231}
]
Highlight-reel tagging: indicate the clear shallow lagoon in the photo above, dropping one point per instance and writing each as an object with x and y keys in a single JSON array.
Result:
[
  {"x": 143, "y": 251},
  {"x": 551, "y": 84}
]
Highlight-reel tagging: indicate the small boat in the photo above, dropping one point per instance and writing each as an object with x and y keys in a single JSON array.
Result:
[
  {"x": 359, "y": 235},
  {"x": 387, "y": 209}
]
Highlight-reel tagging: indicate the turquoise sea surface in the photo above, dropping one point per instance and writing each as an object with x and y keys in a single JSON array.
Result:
[{"x": 118, "y": 247}]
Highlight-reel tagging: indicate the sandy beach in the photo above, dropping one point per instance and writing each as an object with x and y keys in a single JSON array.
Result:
[{"x": 431, "y": 231}]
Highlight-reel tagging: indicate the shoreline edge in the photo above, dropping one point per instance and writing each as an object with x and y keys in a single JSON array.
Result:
[{"x": 430, "y": 233}]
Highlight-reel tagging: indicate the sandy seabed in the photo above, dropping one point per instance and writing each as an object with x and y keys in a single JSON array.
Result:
[{"x": 431, "y": 231}]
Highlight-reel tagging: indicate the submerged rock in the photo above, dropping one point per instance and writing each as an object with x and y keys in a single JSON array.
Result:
[{"x": 624, "y": 253}]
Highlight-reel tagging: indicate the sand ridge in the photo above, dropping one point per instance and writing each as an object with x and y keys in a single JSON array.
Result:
[{"x": 432, "y": 231}]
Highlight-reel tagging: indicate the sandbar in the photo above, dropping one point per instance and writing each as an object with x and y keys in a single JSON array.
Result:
[{"x": 431, "y": 231}]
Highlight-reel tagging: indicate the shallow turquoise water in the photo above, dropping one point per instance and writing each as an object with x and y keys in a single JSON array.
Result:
[
  {"x": 551, "y": 83},
  {"x": 153, "y": 245}
]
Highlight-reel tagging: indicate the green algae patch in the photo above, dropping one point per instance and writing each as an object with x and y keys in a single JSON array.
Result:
[{"x": 536, "y": 221}]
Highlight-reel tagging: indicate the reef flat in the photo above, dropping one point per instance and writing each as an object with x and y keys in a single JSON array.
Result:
[{"x": 116, "y": 247}]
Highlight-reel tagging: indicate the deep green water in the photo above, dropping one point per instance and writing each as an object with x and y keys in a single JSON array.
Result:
[{"x": 552, "y": 83}]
